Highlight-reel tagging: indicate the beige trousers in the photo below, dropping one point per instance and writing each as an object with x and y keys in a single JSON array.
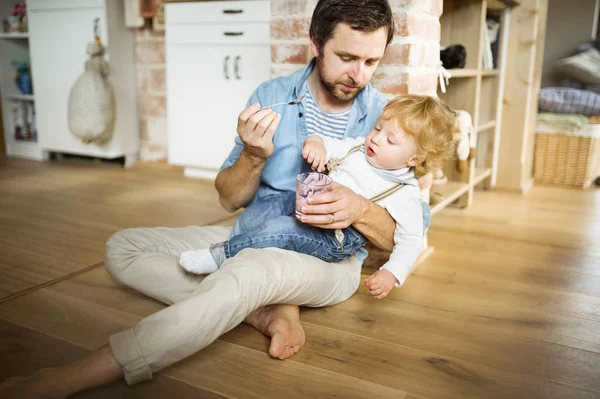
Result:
[{"x": 205, "y": 307}]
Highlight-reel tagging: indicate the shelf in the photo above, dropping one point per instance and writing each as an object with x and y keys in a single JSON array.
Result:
[
  {"x": 21, "y": 35},
  {"x": 462, "y": 73},
  {"x": 481, "y": 174},
  {"x": 23, "y": 97},
  {"x": 24, "y": 149},
  {"x": 490, "y": 72},
  {"x": 486, "y": 126},
  {"x": 451, "y": 191}
]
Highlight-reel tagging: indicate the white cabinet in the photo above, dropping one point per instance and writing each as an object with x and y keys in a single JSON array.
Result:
[
  {"x": 59, "y": 33},
  {"x": 217, "y": 54}
]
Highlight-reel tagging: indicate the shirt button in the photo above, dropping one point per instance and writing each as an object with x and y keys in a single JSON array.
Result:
[{"x": 300, "y": 114}]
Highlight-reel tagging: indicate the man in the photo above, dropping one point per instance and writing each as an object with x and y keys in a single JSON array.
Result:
[{"x": 347, "y": 41}]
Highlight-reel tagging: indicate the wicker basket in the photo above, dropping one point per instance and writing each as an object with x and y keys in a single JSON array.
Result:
[{"x": 566, "y": 159}]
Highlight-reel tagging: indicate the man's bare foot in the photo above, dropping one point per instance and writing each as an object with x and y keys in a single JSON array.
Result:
[
  {"x": 282, "y": 324},
  {"x": 34, "y": 386}
]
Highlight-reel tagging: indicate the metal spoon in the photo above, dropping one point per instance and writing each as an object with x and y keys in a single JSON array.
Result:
[{"x": 296, "y": 101}]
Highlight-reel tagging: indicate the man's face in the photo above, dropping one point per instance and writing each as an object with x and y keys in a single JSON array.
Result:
[{"x": 349, "y": 59}]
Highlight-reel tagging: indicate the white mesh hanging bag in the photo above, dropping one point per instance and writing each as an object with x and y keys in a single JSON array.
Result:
[{"x": 91, "y": 100}]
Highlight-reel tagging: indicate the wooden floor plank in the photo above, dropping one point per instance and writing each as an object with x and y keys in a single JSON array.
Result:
[
  {"x": 223, "y": 368},
  {"x": 404, "y": 368},
  {"x": 506, "y": 307},
  {"x": 468, "y": 341},
  {"x": 56, "y": 217},
  {"x": 23, "y": 351}
]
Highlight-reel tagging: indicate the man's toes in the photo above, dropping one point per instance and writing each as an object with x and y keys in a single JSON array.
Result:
[
  {"x": 287, "y": 353},
  {"x": 277, "y": 347}
]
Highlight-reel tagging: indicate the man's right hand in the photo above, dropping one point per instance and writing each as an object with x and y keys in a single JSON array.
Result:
[{"x": 256, "y": 129}]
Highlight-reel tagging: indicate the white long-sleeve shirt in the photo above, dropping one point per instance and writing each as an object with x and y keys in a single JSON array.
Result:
[{"x": 356, "y": 173}]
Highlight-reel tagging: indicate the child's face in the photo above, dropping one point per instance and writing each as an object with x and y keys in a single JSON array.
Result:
[{"x": 388, "y": 147}]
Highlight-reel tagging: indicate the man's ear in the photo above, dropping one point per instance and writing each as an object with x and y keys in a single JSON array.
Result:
[{"x": 314, "y": 49}]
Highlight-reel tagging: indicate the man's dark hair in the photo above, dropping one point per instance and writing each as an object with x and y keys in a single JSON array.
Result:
[{"x": 361, "y": 15}]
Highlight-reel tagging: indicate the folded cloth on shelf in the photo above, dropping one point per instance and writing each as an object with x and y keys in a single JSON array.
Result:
[
  {"x": 564, "y": 100},
  {"x": 567, "y": 122},
  {"x": 590, "y": 129}
]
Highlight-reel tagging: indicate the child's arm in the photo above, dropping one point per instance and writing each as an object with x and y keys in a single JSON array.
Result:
[{"x": 408, "y": 239}]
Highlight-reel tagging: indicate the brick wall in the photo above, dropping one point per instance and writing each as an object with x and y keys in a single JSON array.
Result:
[
  {"x": 409, "y": 65},
  {"x": 150, "y": 58}
]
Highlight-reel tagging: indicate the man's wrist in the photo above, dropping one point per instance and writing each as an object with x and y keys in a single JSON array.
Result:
[
  {"x": 253, "y": 159},
  {"x": 364, "y": 205}
]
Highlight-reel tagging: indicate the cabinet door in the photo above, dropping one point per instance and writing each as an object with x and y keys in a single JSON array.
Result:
[
  {"x": 251, "y": 67},
  {"x": 199, "y": 79}
]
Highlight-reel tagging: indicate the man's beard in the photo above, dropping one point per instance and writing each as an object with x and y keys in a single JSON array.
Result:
[{"x": 333, "y": 88}]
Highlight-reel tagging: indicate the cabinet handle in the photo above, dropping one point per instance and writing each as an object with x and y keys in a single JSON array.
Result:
[
  {"x": 236, "y": 67},
  {"x": 233, "y": 33},
  {"x": 233, "y": 11},
  {"x": 226, "y": 67}
]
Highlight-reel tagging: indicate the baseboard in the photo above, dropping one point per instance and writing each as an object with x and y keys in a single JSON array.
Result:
[{"x": 196, "y": 173}]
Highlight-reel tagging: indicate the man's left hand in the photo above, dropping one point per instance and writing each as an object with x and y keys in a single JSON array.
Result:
[{"x": 335, "y": 209}]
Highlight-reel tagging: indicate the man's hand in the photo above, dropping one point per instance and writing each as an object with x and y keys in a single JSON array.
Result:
[
  {"x": 380, "y": 283},
  {"x": 335, "y": 209},
  {"x": 256, "y": 129},
  {"x": 314, "y": 153}
]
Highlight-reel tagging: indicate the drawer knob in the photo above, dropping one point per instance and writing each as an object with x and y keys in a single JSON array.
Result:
[
  {"x": 233, "y": 33},
  {"x": 233, "y": 11}
]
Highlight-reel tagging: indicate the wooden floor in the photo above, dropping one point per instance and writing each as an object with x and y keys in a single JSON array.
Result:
[{"x": 508, "y": 305}]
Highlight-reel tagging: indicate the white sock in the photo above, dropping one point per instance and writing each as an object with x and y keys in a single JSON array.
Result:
[{"x": 199, "y": 262}]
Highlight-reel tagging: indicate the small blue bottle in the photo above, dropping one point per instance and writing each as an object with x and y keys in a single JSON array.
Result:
[{"x": 23, "y": 78}]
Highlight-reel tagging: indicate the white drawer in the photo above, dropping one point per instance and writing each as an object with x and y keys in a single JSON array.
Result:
[
  {"x": 231, "y": 33},
  {"x": 36, "y": 5},
  {"x": 217, "y": 11}
]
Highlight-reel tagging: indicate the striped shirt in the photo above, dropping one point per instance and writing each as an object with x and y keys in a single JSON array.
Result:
[{"x": 320, "y": 122}]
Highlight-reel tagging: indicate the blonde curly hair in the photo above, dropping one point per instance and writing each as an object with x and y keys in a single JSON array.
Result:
[{"x": 431, "y": 122}]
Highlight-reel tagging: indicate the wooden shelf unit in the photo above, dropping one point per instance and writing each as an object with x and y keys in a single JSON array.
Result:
[
  {"x": 475, "y": 90},
  {"x": 15, "y": 47}
]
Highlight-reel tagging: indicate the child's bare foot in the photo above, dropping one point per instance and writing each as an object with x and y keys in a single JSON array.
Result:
[{"x": 380, "y": 283}]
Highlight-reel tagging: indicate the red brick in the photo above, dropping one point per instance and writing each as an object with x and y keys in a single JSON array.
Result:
[
  {"x": 414, "y": 55},
  {"x": 151, "y": 105},
  {"x": 390, "y": 83},
  {"x": 289, "y": 28},
  {"x": 157, "y": 79},
  {"x": 150, "y": 52},
  {"x": 417, "y": 24},
  {"x": 422, "y": 82},
  {"x": 287, "y": 7},
  {"x": 437, "y": 7},
  {"x": 289, "y": 53},
  {"x": 143, "y": 78},
  {"x": 405, "y": 82},
  {"x": 434, "y": 7}
]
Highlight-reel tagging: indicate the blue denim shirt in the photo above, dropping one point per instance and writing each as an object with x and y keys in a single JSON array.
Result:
[{"x": 286, "y": 162}]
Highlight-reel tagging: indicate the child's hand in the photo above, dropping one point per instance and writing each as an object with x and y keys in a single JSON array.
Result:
[
  {"x": 380, "y": 283},
  {"x": 314, "y": 153}
]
